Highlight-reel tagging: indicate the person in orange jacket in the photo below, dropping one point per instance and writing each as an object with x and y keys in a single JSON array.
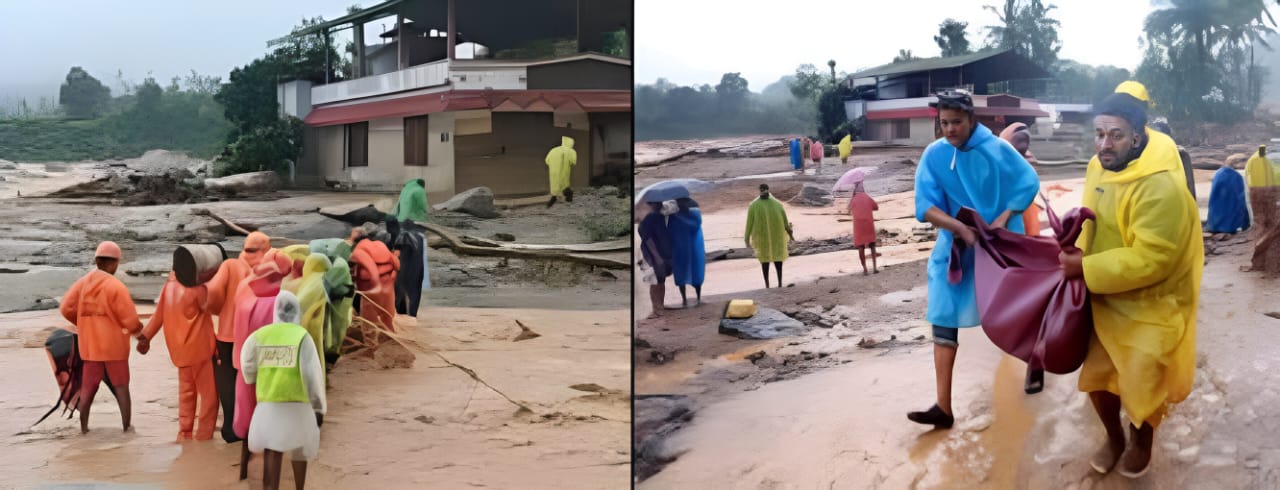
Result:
[
  {"x": 222, "y": 293},
  {"x": 100, "y": 307},
  {"x": 188, "y": 322},
  {"x": 375, "y": 276}
]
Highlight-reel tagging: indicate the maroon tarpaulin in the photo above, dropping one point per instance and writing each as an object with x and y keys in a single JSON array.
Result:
[{"x": 1026, "y": 306}]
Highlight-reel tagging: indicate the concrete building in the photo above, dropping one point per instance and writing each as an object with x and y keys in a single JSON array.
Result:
[{"x": 414, "y": 107}]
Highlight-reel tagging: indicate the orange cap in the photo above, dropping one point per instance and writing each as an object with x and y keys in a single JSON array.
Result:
[{"x": 108, "y": 250}]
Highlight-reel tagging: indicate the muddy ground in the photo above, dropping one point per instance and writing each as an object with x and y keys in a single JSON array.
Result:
[
  {"x": 826, "y": 407},
  {"x": 464, "y": 405}
]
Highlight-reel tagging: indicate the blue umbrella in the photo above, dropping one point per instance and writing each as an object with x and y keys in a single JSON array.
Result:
[{"x": 669, "y": 190}]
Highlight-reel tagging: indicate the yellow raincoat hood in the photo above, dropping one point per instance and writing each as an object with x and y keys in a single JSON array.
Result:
[
  {"x": 1144, "y": 257},
  {"x": 1259, "y": 171}
]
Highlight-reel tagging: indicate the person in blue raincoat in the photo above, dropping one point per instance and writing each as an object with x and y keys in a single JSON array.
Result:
[
  {"x": 688, "y": 253},
  {"x": 969, "y": 167},
  {"x": 1228, "y": 212},
  {"x": 797, "y": 160}
]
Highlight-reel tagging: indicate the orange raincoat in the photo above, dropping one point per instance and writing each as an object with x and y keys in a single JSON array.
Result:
[
  {"x": 188, "y": 321},
  {"x": 100, "y": 307},
  {"x": 375, "y": 276}
]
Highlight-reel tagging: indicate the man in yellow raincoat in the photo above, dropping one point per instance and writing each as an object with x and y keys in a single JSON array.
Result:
[
  {"x": 1260, "y": 176},
  {"x": 1142, "y": 261},
  {"x": 560, "y": 161},
  {"x": 314, "y": 299},
  {"x": 768, "y": 232}
]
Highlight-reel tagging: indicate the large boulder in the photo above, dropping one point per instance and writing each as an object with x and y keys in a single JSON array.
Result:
[
  {"x": 815, "y": 195},
  {"x": 266, "y": 181},
  {"x": 477, "y": 202}
]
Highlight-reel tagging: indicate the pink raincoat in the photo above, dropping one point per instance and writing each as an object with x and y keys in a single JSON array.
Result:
[{"x": 255, "y": 308}]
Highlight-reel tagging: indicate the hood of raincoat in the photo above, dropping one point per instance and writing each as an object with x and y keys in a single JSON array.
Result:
[
  {"x": 566, "y": 142},
  {"x": 316, "y": 263},
  {"x": 265, "y": 281},
  {"x": 337, "y": 280},
  {"x": 256, "y": 240},
  {"x": 287, "y": 309}
]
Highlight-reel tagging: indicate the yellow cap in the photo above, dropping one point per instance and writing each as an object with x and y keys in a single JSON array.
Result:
[{"x": 1136, "y": 89}]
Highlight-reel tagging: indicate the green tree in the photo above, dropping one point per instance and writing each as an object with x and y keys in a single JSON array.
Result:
[
  {"x": 951, "y": 38},
  {"x": 148, "y": 97},
  {"x": 266, "y": 147},
  {"x": 832, "y": 65},
  {"x": 83, "y": 96},
  {"x": 731, "y": 93},
  {"x": 1026, "y": 29},
  {"x": 903, "y": 55},
  {"x": 808, "y": 83}
]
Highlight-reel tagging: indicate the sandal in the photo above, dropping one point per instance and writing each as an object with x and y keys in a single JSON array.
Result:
[
  {"x": 934, "y": 416},
  {"x": 1035, "y": 381}
]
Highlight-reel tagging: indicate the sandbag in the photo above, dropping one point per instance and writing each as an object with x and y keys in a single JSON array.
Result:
[{"x": 1027, "y": 308}]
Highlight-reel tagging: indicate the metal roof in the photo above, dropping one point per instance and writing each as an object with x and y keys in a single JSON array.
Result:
[{"x": 927, "y": 64}]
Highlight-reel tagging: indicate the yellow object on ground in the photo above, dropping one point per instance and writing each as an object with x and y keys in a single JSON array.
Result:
[
  {"x": 741, "y": 308},
  {"x": 1143, "y": 260}
]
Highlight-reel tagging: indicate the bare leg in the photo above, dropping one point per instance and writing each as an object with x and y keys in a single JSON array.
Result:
[
  {"x": 698, "y": 290},
  {"x": 299, "y": 474},
  {"x": 126, "y": 405},
  {"x": 244, "y": 459},
  {"x": 656, "y": 294},
  {"x": 764, "y": 268},
  {"x": 874, "y": 268},
  {"x": 944, "y": 362},
  {"x": 778, "y": 267},
  {"x": 271, "y": 469},
  {"x": 1107, "y": 406},
  {"x": 684, "y": 301},
  {"x": 85, "y": 404},
  {"x": 862, "y": 258}
]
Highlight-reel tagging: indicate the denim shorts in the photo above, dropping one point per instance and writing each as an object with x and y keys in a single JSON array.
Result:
[{"x": 946, "y": 336}]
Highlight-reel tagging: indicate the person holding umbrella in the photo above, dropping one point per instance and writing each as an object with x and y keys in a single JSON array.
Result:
[
  {"x": 862, "y": 209},
  {"x": 655, "y": 248}
]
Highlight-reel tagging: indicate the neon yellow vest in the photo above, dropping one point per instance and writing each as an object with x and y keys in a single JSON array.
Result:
[{"x": 279, "y": 359}]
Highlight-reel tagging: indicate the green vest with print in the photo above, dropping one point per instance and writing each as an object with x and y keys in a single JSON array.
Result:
[{"x": 279, "y": 359}]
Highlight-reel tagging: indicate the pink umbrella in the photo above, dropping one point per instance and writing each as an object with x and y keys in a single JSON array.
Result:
[{"x": 851, "y": 178}]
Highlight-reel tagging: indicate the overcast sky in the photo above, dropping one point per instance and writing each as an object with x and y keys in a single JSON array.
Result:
[
  {"x": 43, "y": 40},
  {"x": 695, "y": 42}
]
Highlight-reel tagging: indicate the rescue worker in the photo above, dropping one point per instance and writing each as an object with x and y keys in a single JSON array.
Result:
[
  {"x": 185, "y": 315},
  {"x": 100, "y": 307}
]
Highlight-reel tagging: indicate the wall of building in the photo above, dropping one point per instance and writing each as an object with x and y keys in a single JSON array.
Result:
[
  {"x": 611, "y": 143},
  {"x": 580, "y": 75},
  {"x": 922, "y": 131},
  {"x": 386, "y": 170},
  {"x": 510, "y": 159}
]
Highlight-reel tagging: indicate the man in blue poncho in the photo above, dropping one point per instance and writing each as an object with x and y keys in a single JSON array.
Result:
[
  {"x": 1228, "y": 212},
  {"x": 688, "y": 254},
  {"x": 968, "y": 167}
]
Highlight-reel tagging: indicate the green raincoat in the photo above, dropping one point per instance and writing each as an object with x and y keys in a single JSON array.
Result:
[
  {"x": 413, "y": 203},
  {"x": 340, "y": 289},
  {"x": 767, "y": 229},
  {"x": 560, "y": 162},
  {"x": 333, "y": 248}
]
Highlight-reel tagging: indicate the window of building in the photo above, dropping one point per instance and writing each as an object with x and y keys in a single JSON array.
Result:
[
  {"x": 415, "y": 141},
  {"x": 358, "y": 144},
  {"x": 901, "y": 129}
]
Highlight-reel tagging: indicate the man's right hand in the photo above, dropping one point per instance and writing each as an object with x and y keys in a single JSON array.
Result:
[
  {"x": 967, "y": 235},
  {"x": 1072, "y": 260}
]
